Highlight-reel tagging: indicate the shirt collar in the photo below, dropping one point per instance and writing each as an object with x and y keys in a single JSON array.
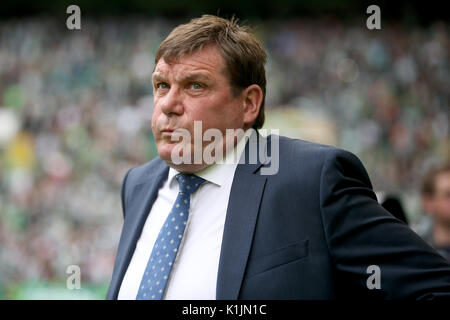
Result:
[{"x": 217, "y": 173}]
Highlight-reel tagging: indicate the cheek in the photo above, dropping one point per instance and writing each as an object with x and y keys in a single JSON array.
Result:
[
  {"x": 156, "y": 119},
  {"x": 442, "y": 208},
  {"x": 221, "y": 114},
  {"x": 155, "y": 133},
  {"x": 446, "y": 206}
]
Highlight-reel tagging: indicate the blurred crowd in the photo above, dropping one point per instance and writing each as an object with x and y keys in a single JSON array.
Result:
[{"x": 75, "y": 110}]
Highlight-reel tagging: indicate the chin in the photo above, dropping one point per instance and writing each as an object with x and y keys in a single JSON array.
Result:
[
  {"x": 165, "y": 151},
  {"x": 186, "y": 168}
]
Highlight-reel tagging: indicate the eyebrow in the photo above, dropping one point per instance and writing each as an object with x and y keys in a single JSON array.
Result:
[
  {"x": 190, "y": 77},
  {"x": 157, "y": 77}
]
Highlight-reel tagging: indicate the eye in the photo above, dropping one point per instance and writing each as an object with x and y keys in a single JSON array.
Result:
[
  {"x": 161, "y": 85},
  {"x": 196, "y": 86}
]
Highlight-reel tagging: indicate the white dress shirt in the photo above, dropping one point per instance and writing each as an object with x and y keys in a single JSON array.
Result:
[{"x": 194, "y": 273}]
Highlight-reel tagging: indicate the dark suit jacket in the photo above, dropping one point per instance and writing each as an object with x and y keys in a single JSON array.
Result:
[{"x": 308, "y": 232}]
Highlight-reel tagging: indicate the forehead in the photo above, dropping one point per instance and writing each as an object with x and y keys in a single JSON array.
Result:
[{"x": 207, "y": 59}]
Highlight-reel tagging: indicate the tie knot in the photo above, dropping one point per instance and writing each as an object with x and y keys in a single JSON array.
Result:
[{"x": 189, "y": 183}]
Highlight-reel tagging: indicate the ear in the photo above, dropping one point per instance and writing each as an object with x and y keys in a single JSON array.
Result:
[{"x": 253, "y": 97}]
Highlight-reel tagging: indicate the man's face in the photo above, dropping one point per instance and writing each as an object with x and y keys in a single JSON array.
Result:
[
  {"x": 193, "y": 88},
  {"x": 439, "y": 204}
]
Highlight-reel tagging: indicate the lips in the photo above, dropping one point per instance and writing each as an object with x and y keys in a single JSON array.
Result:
[{"x": 167, "y": 130}]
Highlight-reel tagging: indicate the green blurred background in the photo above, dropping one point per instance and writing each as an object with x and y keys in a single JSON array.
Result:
[{"x": 75, "y": 110}]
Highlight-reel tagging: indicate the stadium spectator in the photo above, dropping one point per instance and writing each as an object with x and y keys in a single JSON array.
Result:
[{"x": 436, "y": 203}]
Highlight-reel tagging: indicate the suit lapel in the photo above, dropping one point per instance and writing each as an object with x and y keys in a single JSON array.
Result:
[
  {"x": 243, "y": 207},
  {"x": 141, "y": 200}
]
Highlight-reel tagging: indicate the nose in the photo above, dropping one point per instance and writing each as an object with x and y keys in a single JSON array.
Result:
[{"x": 172, "y": 103}]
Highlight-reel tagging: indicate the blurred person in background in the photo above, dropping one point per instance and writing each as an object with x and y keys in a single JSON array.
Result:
[{"x": 436, "y": 203}]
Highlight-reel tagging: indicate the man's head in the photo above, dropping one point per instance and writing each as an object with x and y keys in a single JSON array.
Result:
[
  {"x": 209, "y": 70},
  {"x": 436, "y": 194}
]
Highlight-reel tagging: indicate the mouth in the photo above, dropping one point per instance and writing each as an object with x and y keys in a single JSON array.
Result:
[{"x": 167, "y": 130}]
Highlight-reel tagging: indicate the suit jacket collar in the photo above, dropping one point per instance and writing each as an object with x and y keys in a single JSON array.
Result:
[{"x": 140, "y": 201}]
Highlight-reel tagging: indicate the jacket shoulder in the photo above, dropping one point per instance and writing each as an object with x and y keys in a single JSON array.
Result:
[
  {"x": 316, "y": 152},
  {"x": 139, "y": 174}
]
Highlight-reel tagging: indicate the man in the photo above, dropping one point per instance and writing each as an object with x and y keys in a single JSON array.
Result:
[
  {"x": 436, "y": 203},
  {"x": 311, "y": 229}
]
